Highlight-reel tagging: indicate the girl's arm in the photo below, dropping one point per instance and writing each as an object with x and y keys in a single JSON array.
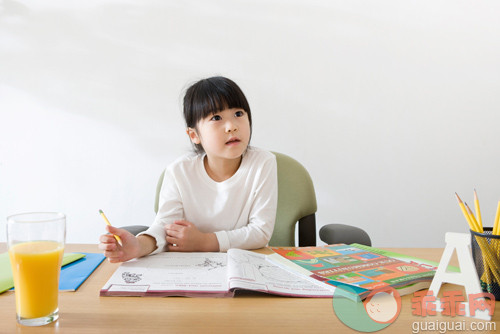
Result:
[{"x": 170, "y": 209}]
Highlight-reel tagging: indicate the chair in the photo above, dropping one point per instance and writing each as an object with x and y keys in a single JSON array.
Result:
[
  {"x": 296, "y": 203},
  {"x": 343, "y": 234}
]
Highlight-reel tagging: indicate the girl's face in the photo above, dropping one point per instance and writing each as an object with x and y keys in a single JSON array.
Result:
[{"x": 224, "y": 135}]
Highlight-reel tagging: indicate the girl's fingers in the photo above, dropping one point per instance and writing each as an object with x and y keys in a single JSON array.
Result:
[
  {"x": 107, "y": 247},
  {"x": 113, "y": 254},
  {"x": 106, "y": 239},
  {"x": 181, "y": 222},
  {"x": 173, "y": 234},
  {"x": 174, "y": 248},
  {"x": 113, "y": 260},
  {"x": 172, "y": 241},
  {"x": 119, "y": 232},
  {"x": 172, "y": 227},
  {"x": 112, "y": 229}
]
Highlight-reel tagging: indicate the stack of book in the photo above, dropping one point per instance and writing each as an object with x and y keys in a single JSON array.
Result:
[{"x": 361, "y": 268}]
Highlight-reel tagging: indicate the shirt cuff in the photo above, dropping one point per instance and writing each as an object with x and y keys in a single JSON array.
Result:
[
  {"x": 156, "y": 231},
  {"x": 223, "y": 240}
]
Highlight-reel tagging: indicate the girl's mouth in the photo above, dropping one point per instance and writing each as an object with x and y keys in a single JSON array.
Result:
[{"x": 233, "y": 141}]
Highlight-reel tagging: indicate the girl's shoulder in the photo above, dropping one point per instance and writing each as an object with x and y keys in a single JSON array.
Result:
[
  {"x": 186, "y": 161},
  {"x": 255, "y": 154}
]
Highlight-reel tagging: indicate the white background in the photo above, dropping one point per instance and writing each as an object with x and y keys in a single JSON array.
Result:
[{"x": 392, "y": 106}]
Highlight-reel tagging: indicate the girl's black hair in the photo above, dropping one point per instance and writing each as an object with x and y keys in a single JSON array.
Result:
[{"x": 210, "y": 96}]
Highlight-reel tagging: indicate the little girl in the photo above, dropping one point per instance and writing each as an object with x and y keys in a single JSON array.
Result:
[{"x": 222, "y": 196}]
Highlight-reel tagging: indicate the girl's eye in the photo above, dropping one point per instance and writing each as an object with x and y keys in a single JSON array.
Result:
[
  {"x": 216, "y": 118},
  {"x": 239, "y": 113}
]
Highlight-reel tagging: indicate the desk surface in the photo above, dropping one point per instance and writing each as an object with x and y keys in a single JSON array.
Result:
[{"x": 84, "y": 311}]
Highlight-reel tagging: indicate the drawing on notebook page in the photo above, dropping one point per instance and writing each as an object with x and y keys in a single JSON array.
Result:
[
  {"x": 130, "y": 278},
  {"x": 211, "y": 264}
]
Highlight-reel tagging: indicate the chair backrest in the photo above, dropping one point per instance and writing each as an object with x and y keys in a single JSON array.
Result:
[{"x": 296, "y": 199}]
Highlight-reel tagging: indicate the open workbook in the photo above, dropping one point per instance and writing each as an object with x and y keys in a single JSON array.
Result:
[{"x": 209, "y": 274}]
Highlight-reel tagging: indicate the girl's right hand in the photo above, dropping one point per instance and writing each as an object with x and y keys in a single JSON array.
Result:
[{"x": 115, "y": 252}]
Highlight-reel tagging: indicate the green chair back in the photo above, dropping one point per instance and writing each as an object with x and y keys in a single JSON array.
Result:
[{"x": 296, "y": 200}]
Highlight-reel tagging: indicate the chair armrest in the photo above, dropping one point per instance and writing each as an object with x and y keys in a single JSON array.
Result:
[
  {"x": 135, "y": 229},
  {"x": 307, "y": 230},
  {"x": 343, "y": 234}
]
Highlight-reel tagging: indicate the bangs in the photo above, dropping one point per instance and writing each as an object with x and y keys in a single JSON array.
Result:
[
  {"x": 212, "y": 101},
  {"x": 210, "y": 96}
]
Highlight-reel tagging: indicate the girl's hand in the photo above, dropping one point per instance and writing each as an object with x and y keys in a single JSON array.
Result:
[
  {"x": 129, "y": 249},
  {"x": 184, "y": 236}
]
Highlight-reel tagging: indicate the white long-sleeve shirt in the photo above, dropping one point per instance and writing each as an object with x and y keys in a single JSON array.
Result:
[{"x": 241, "y": 210}]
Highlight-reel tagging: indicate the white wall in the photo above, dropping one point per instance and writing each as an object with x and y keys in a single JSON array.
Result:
[{"x": 391, "y": 105}]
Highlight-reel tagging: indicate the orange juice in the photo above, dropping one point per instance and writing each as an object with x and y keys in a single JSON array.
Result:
[{"x": 36, "y": 267}]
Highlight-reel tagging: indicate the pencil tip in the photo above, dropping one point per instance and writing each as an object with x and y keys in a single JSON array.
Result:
[{"x": 100, "y": 211}]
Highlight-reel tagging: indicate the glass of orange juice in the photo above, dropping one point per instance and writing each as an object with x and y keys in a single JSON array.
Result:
[{"x": 36, "y": 245}]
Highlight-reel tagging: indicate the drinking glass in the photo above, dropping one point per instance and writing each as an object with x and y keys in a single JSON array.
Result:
[{"x": 36, "y": 246}]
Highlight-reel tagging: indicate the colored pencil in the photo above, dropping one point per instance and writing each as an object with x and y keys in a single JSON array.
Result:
[{"x": 108, "y": 223}]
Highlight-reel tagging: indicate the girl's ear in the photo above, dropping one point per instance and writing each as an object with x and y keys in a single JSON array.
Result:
[{"x": 193, "y": 136}]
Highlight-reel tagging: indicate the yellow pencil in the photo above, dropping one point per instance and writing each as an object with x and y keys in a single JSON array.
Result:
[
  {"x": 466, "y": 214},
  {"x": 479, "y": 228},
  {"x": 496, "y": 229},
  {"x": 496, "y": 225},
  {"x": 108, "y": 223},
  {"x": 478, "y": 210}
]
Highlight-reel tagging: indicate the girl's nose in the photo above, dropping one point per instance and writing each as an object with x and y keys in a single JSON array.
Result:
[{"x": 231, "y": 127}]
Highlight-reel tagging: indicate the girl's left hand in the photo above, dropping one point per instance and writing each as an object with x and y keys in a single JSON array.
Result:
[{"x": 184, "y": 236}]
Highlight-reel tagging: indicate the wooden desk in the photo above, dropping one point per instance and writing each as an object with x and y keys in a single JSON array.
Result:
[{"x": 84, "y": 311}]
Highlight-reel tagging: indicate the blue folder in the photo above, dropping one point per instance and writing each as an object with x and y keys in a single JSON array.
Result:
[{"x": 74, "y": 274}]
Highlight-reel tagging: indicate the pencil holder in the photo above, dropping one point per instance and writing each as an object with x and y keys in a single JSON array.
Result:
[{"x": 486, "y": 255}]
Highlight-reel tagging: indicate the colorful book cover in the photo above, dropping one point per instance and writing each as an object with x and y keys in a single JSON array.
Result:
[
  {"x": 432, "y": 265},
  {"x": 340, "y": 265}
]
